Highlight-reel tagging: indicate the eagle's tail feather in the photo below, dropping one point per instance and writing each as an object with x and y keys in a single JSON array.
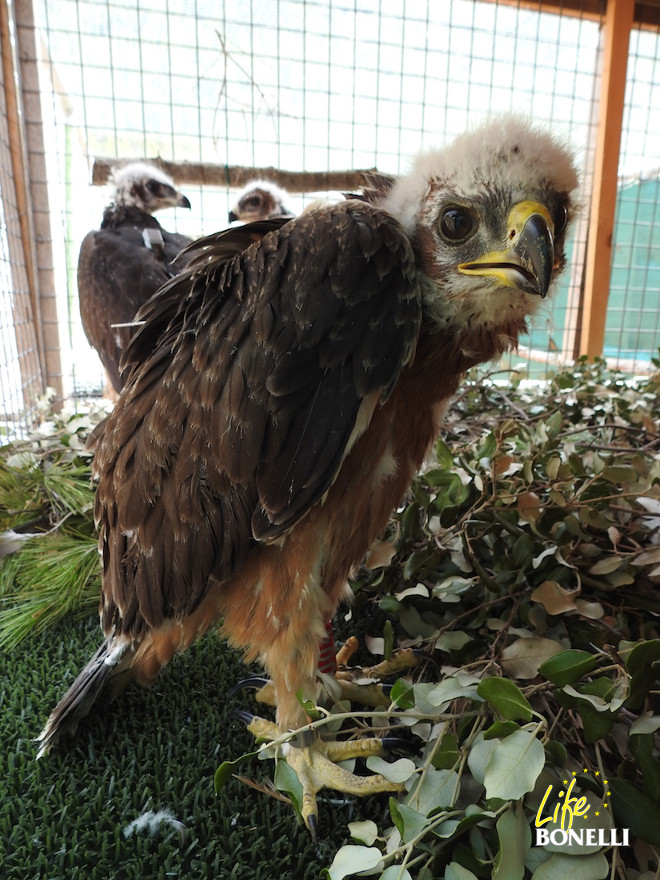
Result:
[{"x": 83, "y": 693}]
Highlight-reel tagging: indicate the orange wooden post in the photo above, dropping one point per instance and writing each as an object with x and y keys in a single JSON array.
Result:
[{"x": 618, "y": 23}]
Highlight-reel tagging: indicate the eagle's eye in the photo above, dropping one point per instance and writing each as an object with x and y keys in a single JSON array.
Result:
[
  {"x": 254, "y": 201},
  {"x": 456, "y": 223},
  {"x": 152, "y": 186}
]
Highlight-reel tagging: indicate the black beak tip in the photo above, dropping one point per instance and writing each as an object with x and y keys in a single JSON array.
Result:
[
  {"x": 184, "y": 202},
  {"x": 231, "y": 217}
]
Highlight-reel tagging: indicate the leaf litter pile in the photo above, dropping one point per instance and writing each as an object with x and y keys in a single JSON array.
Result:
[{"x": 523, "y": 569}]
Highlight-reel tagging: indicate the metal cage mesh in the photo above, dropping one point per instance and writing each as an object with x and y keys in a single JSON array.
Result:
[{"x": 314, "y": 85}]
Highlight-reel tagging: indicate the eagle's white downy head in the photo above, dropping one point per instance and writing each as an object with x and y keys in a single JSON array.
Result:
[
  {"x": 487, "y": 217},
  {"x": 146, "y": 187},
  {"x": 260, "y": 200}
]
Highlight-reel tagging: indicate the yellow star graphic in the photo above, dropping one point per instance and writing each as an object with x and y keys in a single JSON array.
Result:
[
  {"x": 596, "y": 772},
  {"x": 597, "y": 813}
]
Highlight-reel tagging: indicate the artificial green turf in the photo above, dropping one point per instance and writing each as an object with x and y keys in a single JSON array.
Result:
[{"x": 156, "y": 749}]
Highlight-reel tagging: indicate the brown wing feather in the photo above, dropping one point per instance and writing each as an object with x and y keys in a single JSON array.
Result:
[
  {"x": 117, "y": 274},
  {"x": 238, "y": 422}
]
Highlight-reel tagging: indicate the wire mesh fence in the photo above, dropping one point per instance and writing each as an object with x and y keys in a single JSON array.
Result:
[
  {"x": 633, "y": 319},
  {"x": 312, "y": 85},
  {"x": 21, "y": 373}
]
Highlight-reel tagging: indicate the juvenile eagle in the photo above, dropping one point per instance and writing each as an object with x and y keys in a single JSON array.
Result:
[
  {"x": 284, "y": 391},
  {"x": 124, "y": 262},
  {"x": 260, "y": 200}
]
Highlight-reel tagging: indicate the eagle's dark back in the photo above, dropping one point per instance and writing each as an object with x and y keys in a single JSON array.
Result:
[{"x": 117, "y": 274}]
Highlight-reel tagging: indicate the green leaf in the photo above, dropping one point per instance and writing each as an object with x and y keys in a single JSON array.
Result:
[
  {"x": 444, "y": 455},
  {"x": 523, "y": 550},
  {"x": 645, "y": 724},
  {"x": 286, "y": 779},
  {"x": 396, "y": 771},
  {"x": 514, "y": 837},
  {"x": 506, "y": 698},
  {"x": 635, "y": 810},
  {"x": 435, "y": 789},
  {"x": 556, "y": 753},
  {"x": 309, "y": 707},
  {"x": 413, "y": 822},
  {"x": 366, "y": 832},
  {"x": 619, "y": 474},
  {"x": 642, "y": 749},
  {"x": 514, "y": 766},
  {"x": 597, "y": 724},
  {"x": 409, "y": 522},
  {"x": 226, "y": 770},
  {"x": 500, "y": 729},
  {"x": 402, "y": 694},
  {"x": 643, "y": 655},
  {"x": 567, "y": 666},
  {"x": 395, "y": 872},
  {"x": 388, "y": 640},
  {"x": 456, "y": 871},
  {"x": 351, "y": 859},
  {"x": 479, "y": 756},
  {"x": 447, "y": 754},
  {"x": 450, "y": 688},
  {"x": 395, "y": 813},
  {"x": 602, "y": 693},
  {"x": 389, "y": 604},
  {"x": 560, "y": 866},
  {"x": 453, "y": 640},
  {"x": 607, "y": 564},
  {"x": 642, "y": 664}
]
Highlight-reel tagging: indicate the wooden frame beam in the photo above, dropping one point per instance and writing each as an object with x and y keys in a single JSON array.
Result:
[
  {"x": 236, "y": 176},
  {"x": 646, "y": 13},
  {"x": 36, "y": 186},
  {"x": 25, "y": 299},
  {"x": 617, "y": 26}
]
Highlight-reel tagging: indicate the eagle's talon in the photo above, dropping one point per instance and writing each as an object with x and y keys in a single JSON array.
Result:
[
  {"x": 246, "y": 717},
  {"x": 253, "y": 681},
  {"x": 399, "y": 744},
  {"x": 315, "y": 763},
  {"x": 316, "y": 767},
  {"x": 312, "y": 827}
]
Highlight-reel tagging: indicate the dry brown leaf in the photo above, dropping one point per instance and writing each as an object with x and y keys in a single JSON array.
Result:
[
  {"x": 522, "y": 658},
  {"x": 554, "y": 598},
  {"x": 529, "y": 506},
  {"x": 380, "y": 554}
]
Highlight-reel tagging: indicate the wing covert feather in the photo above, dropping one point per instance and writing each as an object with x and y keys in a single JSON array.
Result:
[{"x": 238, "y": 421}]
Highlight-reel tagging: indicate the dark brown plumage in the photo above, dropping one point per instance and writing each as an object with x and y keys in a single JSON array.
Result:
[
  {"x": 124, "y": 262},
  {"x": 284, "y": 390}
]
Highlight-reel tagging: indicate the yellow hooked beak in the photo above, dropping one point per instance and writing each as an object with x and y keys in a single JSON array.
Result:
[{"x": 529, "y": 260}]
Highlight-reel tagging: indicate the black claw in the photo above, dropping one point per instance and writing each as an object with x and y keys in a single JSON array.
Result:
[
  {"x": 246, "y": 717},
  {"x": 399, "y": 744},
  {"x": 255, "y": 681},
  {"x": 312, "y": 826},
  {"x": 424, "y": 655}
]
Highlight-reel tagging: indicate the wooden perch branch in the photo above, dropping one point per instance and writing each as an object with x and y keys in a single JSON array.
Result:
[{"x": 236, "y": 176}]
